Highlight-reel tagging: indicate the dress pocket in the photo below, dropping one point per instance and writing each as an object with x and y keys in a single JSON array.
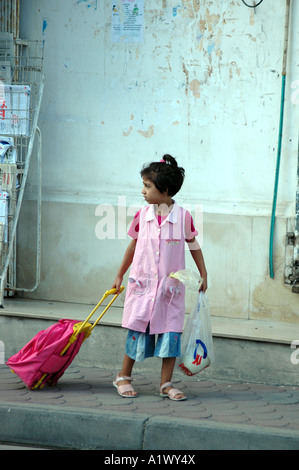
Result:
[
  {"x": 140, "y": 285},
  {"x": 171, "y": 287}
]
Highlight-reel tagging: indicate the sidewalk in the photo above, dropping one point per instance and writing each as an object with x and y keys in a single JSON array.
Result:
[{"x": 84, "y": 411}]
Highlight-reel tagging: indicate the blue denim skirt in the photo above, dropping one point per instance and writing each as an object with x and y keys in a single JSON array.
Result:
[{"x": 139, "y": 345}]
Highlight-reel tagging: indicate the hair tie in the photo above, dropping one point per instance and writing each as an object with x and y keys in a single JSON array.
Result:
[{"x": 162, "y": 160}]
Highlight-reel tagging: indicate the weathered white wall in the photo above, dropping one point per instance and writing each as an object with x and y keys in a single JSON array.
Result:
[{"x": 203, "y": 85}]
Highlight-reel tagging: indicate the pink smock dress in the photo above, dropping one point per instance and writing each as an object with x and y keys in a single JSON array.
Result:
[{"x": 153, "y": 298}]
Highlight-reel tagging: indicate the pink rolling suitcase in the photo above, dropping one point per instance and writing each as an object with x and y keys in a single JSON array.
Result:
[{"x": 45, "y": 358}]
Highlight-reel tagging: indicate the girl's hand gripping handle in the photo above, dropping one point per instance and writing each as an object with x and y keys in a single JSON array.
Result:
[{"x": 113, "y": 291}]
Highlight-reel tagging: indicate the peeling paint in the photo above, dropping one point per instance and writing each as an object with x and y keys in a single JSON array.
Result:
[
  {"x": 175, "y": 10},
  {"x": 45, "y": 24},
  {"x": 190, "y": 8},
  {"x": 187, "y": 78},
  {"x": 128, "y": 132},
  {"x": 89, "y": 3},
  {"x": 211, "y": 47},
  {"x": 149, "y": 133},
  {"x": 194, "y": 87},
  {"x": 235, "y": 67},
  {"x": 252, "y": 18},
  {"x": 211, "y": 20}
]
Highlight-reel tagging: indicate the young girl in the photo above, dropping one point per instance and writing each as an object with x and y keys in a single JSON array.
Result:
[{"x": 155, "y": 303}]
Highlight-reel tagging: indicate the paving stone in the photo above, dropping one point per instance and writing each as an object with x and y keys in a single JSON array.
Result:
[
  {"x": 238, "y": 387},
  {"x": 275, "y": 423},
  {"x": 228, "y": 412},
  {"x": 197, "y": 414},
  {"x": 221, "y": 406},
  {"x": 259, "y": 410},
  {"x": 254, "y": 404},
  {"x": 149, "y": 410},
  {"x": 237, "y": 418},
  {"x": 220, "y": 399},
  {"x": 86, "y": 404},
  {"x": 74, "y": 386},
  {"x": 148, "y": 398},
  {"x": 126, "y": 408},
  {"x": 245, "y": 395},
  {"x": 282, "y": 399}
]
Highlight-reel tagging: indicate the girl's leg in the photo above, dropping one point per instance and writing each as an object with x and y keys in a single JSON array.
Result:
[
  {"x": 126, "y": 371},
  {"x": 166, "y": 374}
]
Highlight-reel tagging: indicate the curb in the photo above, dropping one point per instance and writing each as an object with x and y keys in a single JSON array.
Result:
[
  {"x": 101, "y": 430},
  {"x": 70, "y": 429}
]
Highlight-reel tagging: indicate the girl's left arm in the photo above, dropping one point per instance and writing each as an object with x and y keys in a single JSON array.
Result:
[{"x": 197, "y": 255}]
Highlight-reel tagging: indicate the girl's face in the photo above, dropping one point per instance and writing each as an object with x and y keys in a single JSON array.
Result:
[{"x": 152, "y": 195}]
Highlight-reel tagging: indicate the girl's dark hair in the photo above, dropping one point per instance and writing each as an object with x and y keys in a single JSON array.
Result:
[{"x": 166, "y": 175}]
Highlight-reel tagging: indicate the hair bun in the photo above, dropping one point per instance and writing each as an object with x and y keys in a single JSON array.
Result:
[{"x": 170, "y": 160}]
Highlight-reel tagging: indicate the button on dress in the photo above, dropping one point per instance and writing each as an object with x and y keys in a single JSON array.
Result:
[{"x": 152, "y": 297}]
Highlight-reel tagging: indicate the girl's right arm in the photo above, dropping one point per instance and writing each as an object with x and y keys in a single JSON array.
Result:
[{"x": 126, "y": 263}]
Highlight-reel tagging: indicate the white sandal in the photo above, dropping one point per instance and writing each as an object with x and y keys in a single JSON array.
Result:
[
  {"x": 171, "y": 393},
  {"x": 123, "y": 389}
]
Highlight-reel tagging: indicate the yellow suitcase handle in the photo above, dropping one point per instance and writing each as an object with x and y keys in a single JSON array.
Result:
[
  {"x": 87, "y": 327},
  {"x": 107, "y": 293}
]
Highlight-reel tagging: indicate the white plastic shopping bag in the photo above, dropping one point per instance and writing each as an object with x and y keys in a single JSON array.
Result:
[
  {"x": 189, "y": 278},
  {"x": 197, "y": 350}
]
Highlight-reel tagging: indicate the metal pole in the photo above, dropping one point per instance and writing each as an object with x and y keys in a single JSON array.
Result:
[{"x": 282, "y": 99}]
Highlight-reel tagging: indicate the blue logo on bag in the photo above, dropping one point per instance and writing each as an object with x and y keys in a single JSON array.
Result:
[{"x": 197, "y": 357}]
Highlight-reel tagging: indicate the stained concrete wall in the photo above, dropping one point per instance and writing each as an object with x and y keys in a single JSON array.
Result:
[{"x": 201, "y": 82}]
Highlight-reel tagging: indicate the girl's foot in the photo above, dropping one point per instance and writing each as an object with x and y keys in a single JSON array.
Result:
[
  {"x": 124, "y": 387},
  {"x": 168, "y": 390}
]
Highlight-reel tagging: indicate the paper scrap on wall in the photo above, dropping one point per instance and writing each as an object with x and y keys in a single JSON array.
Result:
[{"x": 127, "y": 21}]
